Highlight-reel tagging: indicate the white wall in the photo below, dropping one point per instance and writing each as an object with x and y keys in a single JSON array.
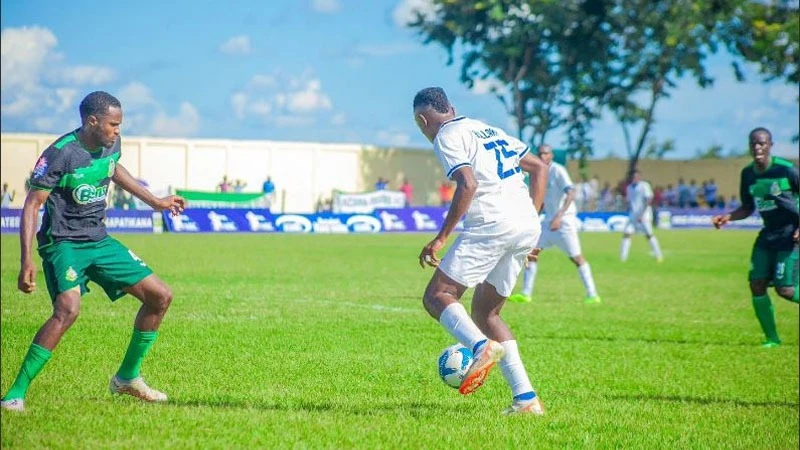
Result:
[{"x": 303, "y": 171}]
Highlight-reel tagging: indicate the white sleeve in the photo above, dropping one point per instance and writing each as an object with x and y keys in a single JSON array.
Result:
[
  {"x": 648, "y": 191},
  {"x": 452, "y": 152},
  {"x": 564, "y": 181}
]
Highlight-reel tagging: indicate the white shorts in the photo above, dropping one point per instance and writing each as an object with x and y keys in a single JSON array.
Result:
[
  {"x": 645, "y": 226},
  {"x": 565, "y": 238},
  {"x": 496, "y": 258}
]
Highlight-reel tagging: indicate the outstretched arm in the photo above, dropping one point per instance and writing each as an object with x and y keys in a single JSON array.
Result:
[{"x": 125, "y": 180}]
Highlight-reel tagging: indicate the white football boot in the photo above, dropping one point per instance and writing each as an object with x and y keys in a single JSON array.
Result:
[{"x": 136, "y": 388}]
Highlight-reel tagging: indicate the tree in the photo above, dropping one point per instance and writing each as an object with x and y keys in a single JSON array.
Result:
[
  {"x": 542, "y": 53},
  {"x": 659, "y": 150}
]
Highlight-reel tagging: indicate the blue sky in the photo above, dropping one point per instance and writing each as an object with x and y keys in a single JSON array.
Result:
[{"x": 304, "y": 70}]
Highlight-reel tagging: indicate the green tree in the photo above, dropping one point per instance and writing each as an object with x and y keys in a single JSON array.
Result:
[{"x": 659, "y": 150}]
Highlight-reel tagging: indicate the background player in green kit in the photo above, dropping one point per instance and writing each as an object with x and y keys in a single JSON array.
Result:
[
  {"x": 770, "y": 185},
  {"x": 71, "y": 180}
]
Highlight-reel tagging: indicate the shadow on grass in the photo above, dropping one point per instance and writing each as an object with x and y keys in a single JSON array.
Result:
[
  {"x": 412, "y": 407},
  {"x": 753, "y": 344},
  {"x": 703, "y": 401}
]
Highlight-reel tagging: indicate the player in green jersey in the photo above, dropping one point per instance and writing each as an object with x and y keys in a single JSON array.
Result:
[
  {"x": 71, "y": 180},
  {"x": 770, "y": 186}
]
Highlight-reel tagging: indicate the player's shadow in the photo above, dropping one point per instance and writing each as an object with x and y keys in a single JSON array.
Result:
[
  {"x": 413, "y": 407},
  {"x": 703, "y": 401}
]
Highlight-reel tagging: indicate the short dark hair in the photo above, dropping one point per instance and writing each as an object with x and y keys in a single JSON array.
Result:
[
  {"x": 761, "y": 130},
  {"x": 433, "y": 97},
  {"x": 97, "y": 104}
]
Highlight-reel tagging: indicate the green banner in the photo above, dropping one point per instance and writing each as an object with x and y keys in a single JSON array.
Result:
[{"x": 203, "y": 199}]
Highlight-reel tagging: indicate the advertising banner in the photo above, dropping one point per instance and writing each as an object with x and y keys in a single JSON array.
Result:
[
  {"x": 202, "y": 199},
  {"x": 698, "y": 218},
  {"x": 117, "y": 221},
  {"x": 367, "y": 202},
  {"x": 204, "y": 220}
]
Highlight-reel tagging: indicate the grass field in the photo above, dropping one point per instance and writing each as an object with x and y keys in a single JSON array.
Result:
[{"x": 289, "y": 341}]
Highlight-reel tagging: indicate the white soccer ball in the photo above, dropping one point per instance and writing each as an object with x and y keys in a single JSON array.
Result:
[{"x": 453, "y": 364}]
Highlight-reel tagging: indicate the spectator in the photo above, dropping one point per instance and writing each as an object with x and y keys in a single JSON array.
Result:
[
  {"x": 710, "y": 192},
  {"x": 693, "y": 193},
  {"x": 670, "y": 197},
  {"x": 720, "y": 203},
  {"x": 734, "y": 203},
  {"x": 606, "y": 199},
  {"x": 225, "y": 185},
  {"x": 381, "y": 184},
  {"x": 239, "y": 185},
  {"x": 585, "y": 195},
  {"x": 683, "y": 194},
  {"x": 8, "y": 197},
  {"x": 658, "y": 197},
  {"x": 408, "y": 191},
  {"x": 446, "y": 192},
  {"x": 268, "y": 188}
]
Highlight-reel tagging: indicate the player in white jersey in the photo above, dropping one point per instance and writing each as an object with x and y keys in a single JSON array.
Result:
[
  {"x": 500, "y": 229},
  {"x": 640, "y": 216},
  {"x": 559, "y": 229}
]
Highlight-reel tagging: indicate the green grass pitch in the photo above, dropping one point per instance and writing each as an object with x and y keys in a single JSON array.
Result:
[{"x": 290, "y": 341}]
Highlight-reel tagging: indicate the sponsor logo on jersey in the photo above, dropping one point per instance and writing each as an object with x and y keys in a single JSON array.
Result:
[
  {"x": 40, "y": 168},
  {"x": 86, "y": 193},
  {"x": 775, "y": 190},
  {"x": 71, "y": 275},
  {"x": 111, "y": 167}
]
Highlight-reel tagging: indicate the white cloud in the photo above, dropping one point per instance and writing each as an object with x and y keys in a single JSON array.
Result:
[
  {"x": 39, "y": 88},
  {"x": 326, "y": 6},
  {"x": 186, "y": 123},
  {"x": 393, "y": 138},
  {"x": 282, "y": 100},
  {"x": 134, "y": 95},
  {"x": 237, "y": 45},
  {"x": 405, "y": 12},
  {"x": 308, "y": 99},
  {"x": 339, "y": 119},
  {"x": 783, "y": 94}
]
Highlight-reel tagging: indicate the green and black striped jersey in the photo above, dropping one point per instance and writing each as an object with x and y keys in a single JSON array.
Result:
[
  {"x": 78, "y": 181},
  {"x": 774, "y": 194}
]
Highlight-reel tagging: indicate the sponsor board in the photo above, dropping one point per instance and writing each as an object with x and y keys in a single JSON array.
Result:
[{"x": 117, "y": 221}]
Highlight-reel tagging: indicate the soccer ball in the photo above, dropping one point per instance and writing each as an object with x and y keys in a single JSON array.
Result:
[{"x": 453, "y": 364}]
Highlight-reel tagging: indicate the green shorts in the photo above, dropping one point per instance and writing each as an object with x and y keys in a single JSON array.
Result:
[
  {"x": 107, "y": 262},
  {"x": 779, "y": 267}
]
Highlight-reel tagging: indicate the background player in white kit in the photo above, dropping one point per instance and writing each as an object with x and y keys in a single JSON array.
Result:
[
  {"x": 640, "y": 216},
  {"x": 501, "y": 227},
  {"x": 560, "y": 229}
]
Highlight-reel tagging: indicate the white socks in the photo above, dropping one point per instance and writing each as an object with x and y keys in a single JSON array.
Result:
[
  {"x": 529, "y": 278},
  {"x": 626, "y": 247},
  {"x": 459, "y": 324},
  {"x": 588, "y": 282},
  {"x": 513, "y": 369},
  {"x": 655, "y": 247}
]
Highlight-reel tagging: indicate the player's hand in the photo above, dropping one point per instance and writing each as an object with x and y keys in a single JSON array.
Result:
[
  {"x": 720, "y": 221},
  {"x": 533, "y": 256},
  {"x": 428, "y": 253},
  {"x": 174, "y": 203},
  {"x": 556, "y": 223},
  {"x": 26, "y": 282}
]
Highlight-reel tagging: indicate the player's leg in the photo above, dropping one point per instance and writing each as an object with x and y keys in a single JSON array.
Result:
[
  {"x": 119, "y": 271},
  {"x": 570, "y": 244},
  {"x": 786, "y": 275},
  {"x": 441, "y": 301},
  {"x": 647, "y": 227},
  {"x": 531, "y": 268},
  {"x": 761, "y": 272},
  {"x": 64, "y": 272},
  {"x": 625, "y": 247},
  {"x": 487, "y": 302}
]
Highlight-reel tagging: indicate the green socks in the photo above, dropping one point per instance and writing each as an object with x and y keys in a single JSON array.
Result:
[
  {"x": 766, "y": 317},
  {"x": 36, "y": 358},
  {"x": 141, "y": 341}
]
